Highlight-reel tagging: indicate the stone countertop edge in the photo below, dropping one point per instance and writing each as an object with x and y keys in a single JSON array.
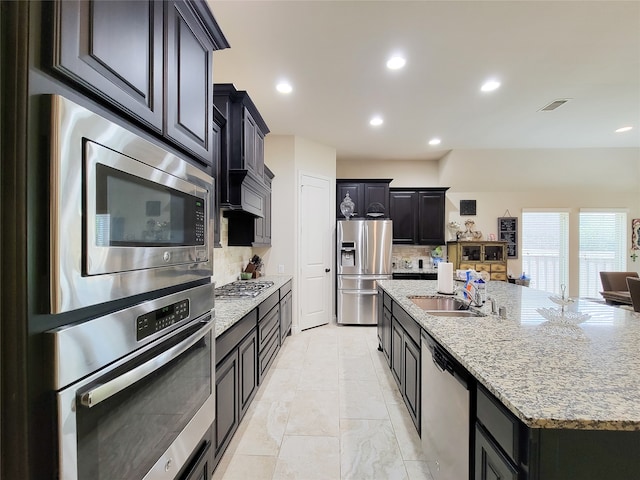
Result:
[
  {"x": 230, "y": 311},
  {"x": 414, "y": 270},
  {"x": 548, "y": 375}
]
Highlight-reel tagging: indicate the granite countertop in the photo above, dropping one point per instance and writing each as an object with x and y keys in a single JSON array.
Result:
[
  {"x": 584, "y": 376},
  {"x": 229, "y": 311},
  {"x": 415, "y": 270}
]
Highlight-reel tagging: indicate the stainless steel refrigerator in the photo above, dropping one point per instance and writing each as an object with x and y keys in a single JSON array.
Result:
[{"x": 363, "y": 256}]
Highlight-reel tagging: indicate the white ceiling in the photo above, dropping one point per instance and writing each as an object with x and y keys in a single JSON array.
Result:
[{"x": 334, "y": 54}]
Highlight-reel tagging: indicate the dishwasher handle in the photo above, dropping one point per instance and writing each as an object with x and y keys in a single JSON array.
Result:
[
  {"x": 441, "y": 360},
  {"x": 445, "y": 363}
]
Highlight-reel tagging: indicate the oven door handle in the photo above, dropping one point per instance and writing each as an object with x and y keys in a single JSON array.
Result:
[{"x": 102, "y": 392}]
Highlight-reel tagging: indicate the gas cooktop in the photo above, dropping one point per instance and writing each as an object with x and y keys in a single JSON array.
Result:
[{"x": 242, "y": 289}]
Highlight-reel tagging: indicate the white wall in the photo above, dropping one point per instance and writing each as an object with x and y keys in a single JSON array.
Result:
[
  {"x": 501, "y": 180},
  {"x": 405, "y": 173}
]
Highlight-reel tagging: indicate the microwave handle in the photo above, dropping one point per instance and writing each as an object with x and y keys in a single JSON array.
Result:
[{"x": 102, "y": 392}]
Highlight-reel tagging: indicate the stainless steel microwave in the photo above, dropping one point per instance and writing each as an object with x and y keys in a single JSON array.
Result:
[{"x": 127, "y": 217}]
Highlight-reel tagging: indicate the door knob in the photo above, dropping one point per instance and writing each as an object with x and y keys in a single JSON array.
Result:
[{"x": 327, "y": 270}]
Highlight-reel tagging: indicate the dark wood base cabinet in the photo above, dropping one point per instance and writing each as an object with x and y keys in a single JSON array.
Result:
[
  {"x": 384, "y": 325},
  {"x": 405, "y": 360},
  {"x": 244, "y": 354},
  {"x": 286, "y": 311},
  {"x": 501, "y": 446},
  {"x": 490, "y": 463},
  {"x": 236, "y": 378},
  {"x": 505, "y": 448}
]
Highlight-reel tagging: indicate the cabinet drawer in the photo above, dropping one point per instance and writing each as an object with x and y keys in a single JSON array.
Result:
[
  {"x": 226, "y": 342},
  {"x": 266, "y": 306},
  {"x": 498, "y": 276},
  {"x": 483, "y": 267},
  {"x": 500, "y": 423},
  {"x": 387, "y": 301},
  {"x": 268, "y": 354},
  {"x": 467, "y": 266},
  {"x": 269, "y": 324},
  {"x": 498, "y": 267},
  {"x": 408, "y": 324},
  {"x": 286, "y": 288}
]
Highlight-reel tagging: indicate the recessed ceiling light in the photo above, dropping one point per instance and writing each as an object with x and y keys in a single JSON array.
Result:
[
  {"x": 376, "y": 121},
  {"x": 284, "y": 87},
  {"x": 490, "y": 86},
  {"x": 434, "y": 141},
  {"x": 623, "y": 129},
  {"x": 396, "y": 62}
]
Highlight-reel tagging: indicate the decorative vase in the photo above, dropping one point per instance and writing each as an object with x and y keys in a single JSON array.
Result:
[{"x": 347, "y": 206}]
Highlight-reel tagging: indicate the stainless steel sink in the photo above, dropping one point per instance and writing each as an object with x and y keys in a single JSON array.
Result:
[{"x": 443, "y": 306}]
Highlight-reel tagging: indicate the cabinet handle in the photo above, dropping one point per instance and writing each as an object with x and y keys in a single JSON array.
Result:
[{"x": 327, "y": 270}]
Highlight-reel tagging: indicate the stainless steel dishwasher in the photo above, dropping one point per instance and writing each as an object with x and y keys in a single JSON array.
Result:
[{"x": 445, "y": 413}]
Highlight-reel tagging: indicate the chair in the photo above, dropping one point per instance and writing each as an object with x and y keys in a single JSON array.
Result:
[
  {"x": 634, "y": 289},
  {"x": 616, "y": 281}
]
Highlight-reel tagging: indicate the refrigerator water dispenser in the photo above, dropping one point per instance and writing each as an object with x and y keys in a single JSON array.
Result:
[{"x": 348, "y": 254}]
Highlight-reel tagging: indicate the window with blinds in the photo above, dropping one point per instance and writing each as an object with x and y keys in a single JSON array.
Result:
[
  {"x": 545, "y": 249},
  {"x": 603, "y": 247}
]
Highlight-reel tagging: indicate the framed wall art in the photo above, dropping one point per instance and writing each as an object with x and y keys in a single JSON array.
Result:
[
  {"x": 467, "y": 207},
  {"x": 635, "y": 234},
  {"x": 508, "y": 231}
]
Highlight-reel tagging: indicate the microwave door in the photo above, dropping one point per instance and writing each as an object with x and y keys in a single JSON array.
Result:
[{"x": 139, "y": 217}]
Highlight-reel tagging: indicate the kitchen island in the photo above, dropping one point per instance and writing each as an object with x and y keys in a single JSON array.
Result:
[{"x": 566, "y": 387}]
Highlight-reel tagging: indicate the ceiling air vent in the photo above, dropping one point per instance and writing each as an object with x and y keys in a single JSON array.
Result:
[{"x": 555, "y": 104}]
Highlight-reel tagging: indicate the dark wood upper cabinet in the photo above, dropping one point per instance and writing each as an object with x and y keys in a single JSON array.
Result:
[
  {"x": 418, "y": 215},
  {"x": 90, "y": 42},
  {"x": 189, "y": 108},
  {"x": 150, "y": 61},
  {"x": 219, "y": 125},
  {"x": 431, "y": 206},
  {"x": 404, "y": 214},
  {"x": 363, "y": 192}
]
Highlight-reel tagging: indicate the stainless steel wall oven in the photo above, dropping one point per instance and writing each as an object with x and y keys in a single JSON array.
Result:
[
  {"x": 135, "y": 389},
  {"x": 127, "y": 217}
]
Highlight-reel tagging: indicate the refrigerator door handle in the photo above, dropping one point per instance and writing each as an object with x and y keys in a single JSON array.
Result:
[
  {"x": 358, "y": 292},
  {"x": 365, "y": 249}
]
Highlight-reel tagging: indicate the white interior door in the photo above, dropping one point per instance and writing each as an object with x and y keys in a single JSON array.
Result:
[{"x": 316, "y": 233}]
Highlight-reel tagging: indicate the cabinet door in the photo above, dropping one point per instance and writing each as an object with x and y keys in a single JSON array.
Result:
[
  {"x": 376, "y": 192},
  {"x": 411, "y": 380},
  {"x": 227, "y": 413},
  {"x": 396, "y": 352},
  {"x": 490, "y": 464},
  {"x": 357, "y": 197},
  {"x": 431, "y": 218},
  {"x": 219, "y": 124},
  {"x": 248, "y": 370},
  {"x": 114, "y": 50},
  {"x": 386, "y": 334},
  {"x": 286, "y": 316},
  {"x": 259, "y": 152},
  {"x": 189, "y": 82},
  {"x": 403, "y": 212},
  {"x": 250, "y": 131}
]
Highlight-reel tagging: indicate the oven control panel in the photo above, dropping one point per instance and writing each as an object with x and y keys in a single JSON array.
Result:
[{"x": 153, "y": 322}]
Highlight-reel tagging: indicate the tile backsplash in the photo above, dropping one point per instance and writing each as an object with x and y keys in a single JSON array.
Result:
[
  {"x": 412, "y": 253},
  {"x": 228, "y": 261}
]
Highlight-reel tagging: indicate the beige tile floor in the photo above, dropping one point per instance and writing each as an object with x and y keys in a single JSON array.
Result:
[{"x": 329, "y": 408}]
